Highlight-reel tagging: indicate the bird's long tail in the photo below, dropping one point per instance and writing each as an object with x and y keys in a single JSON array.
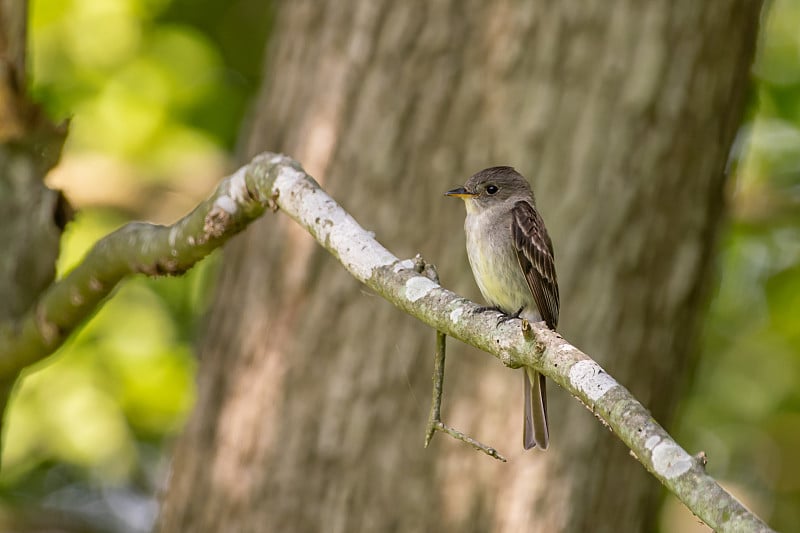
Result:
[{"x": 535, "y": 430}]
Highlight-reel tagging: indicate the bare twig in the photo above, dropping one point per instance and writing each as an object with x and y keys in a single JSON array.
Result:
[
  {"x": 435, "y": 416},
  {"x": 435, "y": 419},
  {"x": 488, "y": 450}
]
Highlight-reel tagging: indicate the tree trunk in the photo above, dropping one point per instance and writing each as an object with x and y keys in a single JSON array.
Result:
[{"x": 313, "y": 393}]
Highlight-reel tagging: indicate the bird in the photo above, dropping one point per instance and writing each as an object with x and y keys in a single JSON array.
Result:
[{"x": 512, "y": 261}]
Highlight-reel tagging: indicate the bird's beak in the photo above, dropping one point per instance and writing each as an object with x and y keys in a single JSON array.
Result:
[{"x": 461, "y": 192}]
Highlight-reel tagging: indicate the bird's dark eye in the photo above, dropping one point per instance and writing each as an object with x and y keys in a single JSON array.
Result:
[{"x": 491, "y": 189}]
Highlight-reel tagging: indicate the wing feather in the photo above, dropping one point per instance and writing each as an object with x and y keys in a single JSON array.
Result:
[{"x": 535, "y": 255}]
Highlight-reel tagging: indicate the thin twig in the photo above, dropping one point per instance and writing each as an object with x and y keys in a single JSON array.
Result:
[
  {"x": 438, "y": 384},
  {"x": 435, "y": 419},
  {"x": 488, "y": 450}
]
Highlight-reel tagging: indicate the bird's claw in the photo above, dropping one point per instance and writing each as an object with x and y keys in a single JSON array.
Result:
[{"x": 506, "y": 318}]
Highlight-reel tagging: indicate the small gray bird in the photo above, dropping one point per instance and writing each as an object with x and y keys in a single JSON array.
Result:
[{"x": 512, "y": 260}]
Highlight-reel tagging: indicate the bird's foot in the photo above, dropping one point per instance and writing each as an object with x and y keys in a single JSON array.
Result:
[
  {"x": 506, "y": 318},
  {"x": 486, "y": 308}
]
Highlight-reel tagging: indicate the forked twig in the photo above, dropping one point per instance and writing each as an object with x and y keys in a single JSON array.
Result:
[{"x": 435, "y": 419}]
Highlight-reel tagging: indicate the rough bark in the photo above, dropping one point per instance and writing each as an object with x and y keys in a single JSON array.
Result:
[{"x": 312, "y": 394}]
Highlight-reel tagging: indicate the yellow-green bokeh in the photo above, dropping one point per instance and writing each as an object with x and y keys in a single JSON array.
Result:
[
  {"x": 744, "y": 409},
  {"x": 154, "y": 103}
]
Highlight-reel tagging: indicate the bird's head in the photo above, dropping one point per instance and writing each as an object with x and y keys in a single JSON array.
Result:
[{"x": 492, "y": 186}]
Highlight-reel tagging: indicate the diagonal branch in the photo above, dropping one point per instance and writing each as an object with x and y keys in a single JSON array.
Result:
[{"x": 271, "y": 178}]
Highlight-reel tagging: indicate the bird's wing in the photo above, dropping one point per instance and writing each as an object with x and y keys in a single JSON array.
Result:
[{"x": 535, "y": 255}]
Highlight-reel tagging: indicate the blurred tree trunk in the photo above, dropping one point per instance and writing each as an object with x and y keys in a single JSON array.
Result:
[
  {"x": 33, "y": 216},
  {"x": 313, "y": 393},
  {"x": 30, "y": 145}
]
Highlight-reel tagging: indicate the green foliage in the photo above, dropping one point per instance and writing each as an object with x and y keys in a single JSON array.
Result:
[
  {"x": 119, "y": 387},
  {"x": 744, "y": 410},
  {"x": 137, "y": 85},
  {"x": 149, "y": 86}
]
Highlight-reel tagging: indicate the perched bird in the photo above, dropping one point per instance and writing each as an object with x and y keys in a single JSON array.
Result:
[{"x": 512, "y": 260}]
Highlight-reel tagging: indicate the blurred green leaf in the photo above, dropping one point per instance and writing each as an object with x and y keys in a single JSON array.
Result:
[
  {"x": 155, "y": 90},
  {"x": 745, "y": 404}
]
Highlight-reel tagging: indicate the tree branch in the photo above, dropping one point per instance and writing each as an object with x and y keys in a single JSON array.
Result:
[{"x": 269, "y": 178}]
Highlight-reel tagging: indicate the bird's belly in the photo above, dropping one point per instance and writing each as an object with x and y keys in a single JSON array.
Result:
[{"x": 498, "y": 274}]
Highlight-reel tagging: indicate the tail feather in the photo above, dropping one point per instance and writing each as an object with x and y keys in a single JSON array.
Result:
[{"x": 535, "y": 428}]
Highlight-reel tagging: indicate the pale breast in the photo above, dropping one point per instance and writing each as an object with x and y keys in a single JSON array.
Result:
[{"x": 494, "y": 263}]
